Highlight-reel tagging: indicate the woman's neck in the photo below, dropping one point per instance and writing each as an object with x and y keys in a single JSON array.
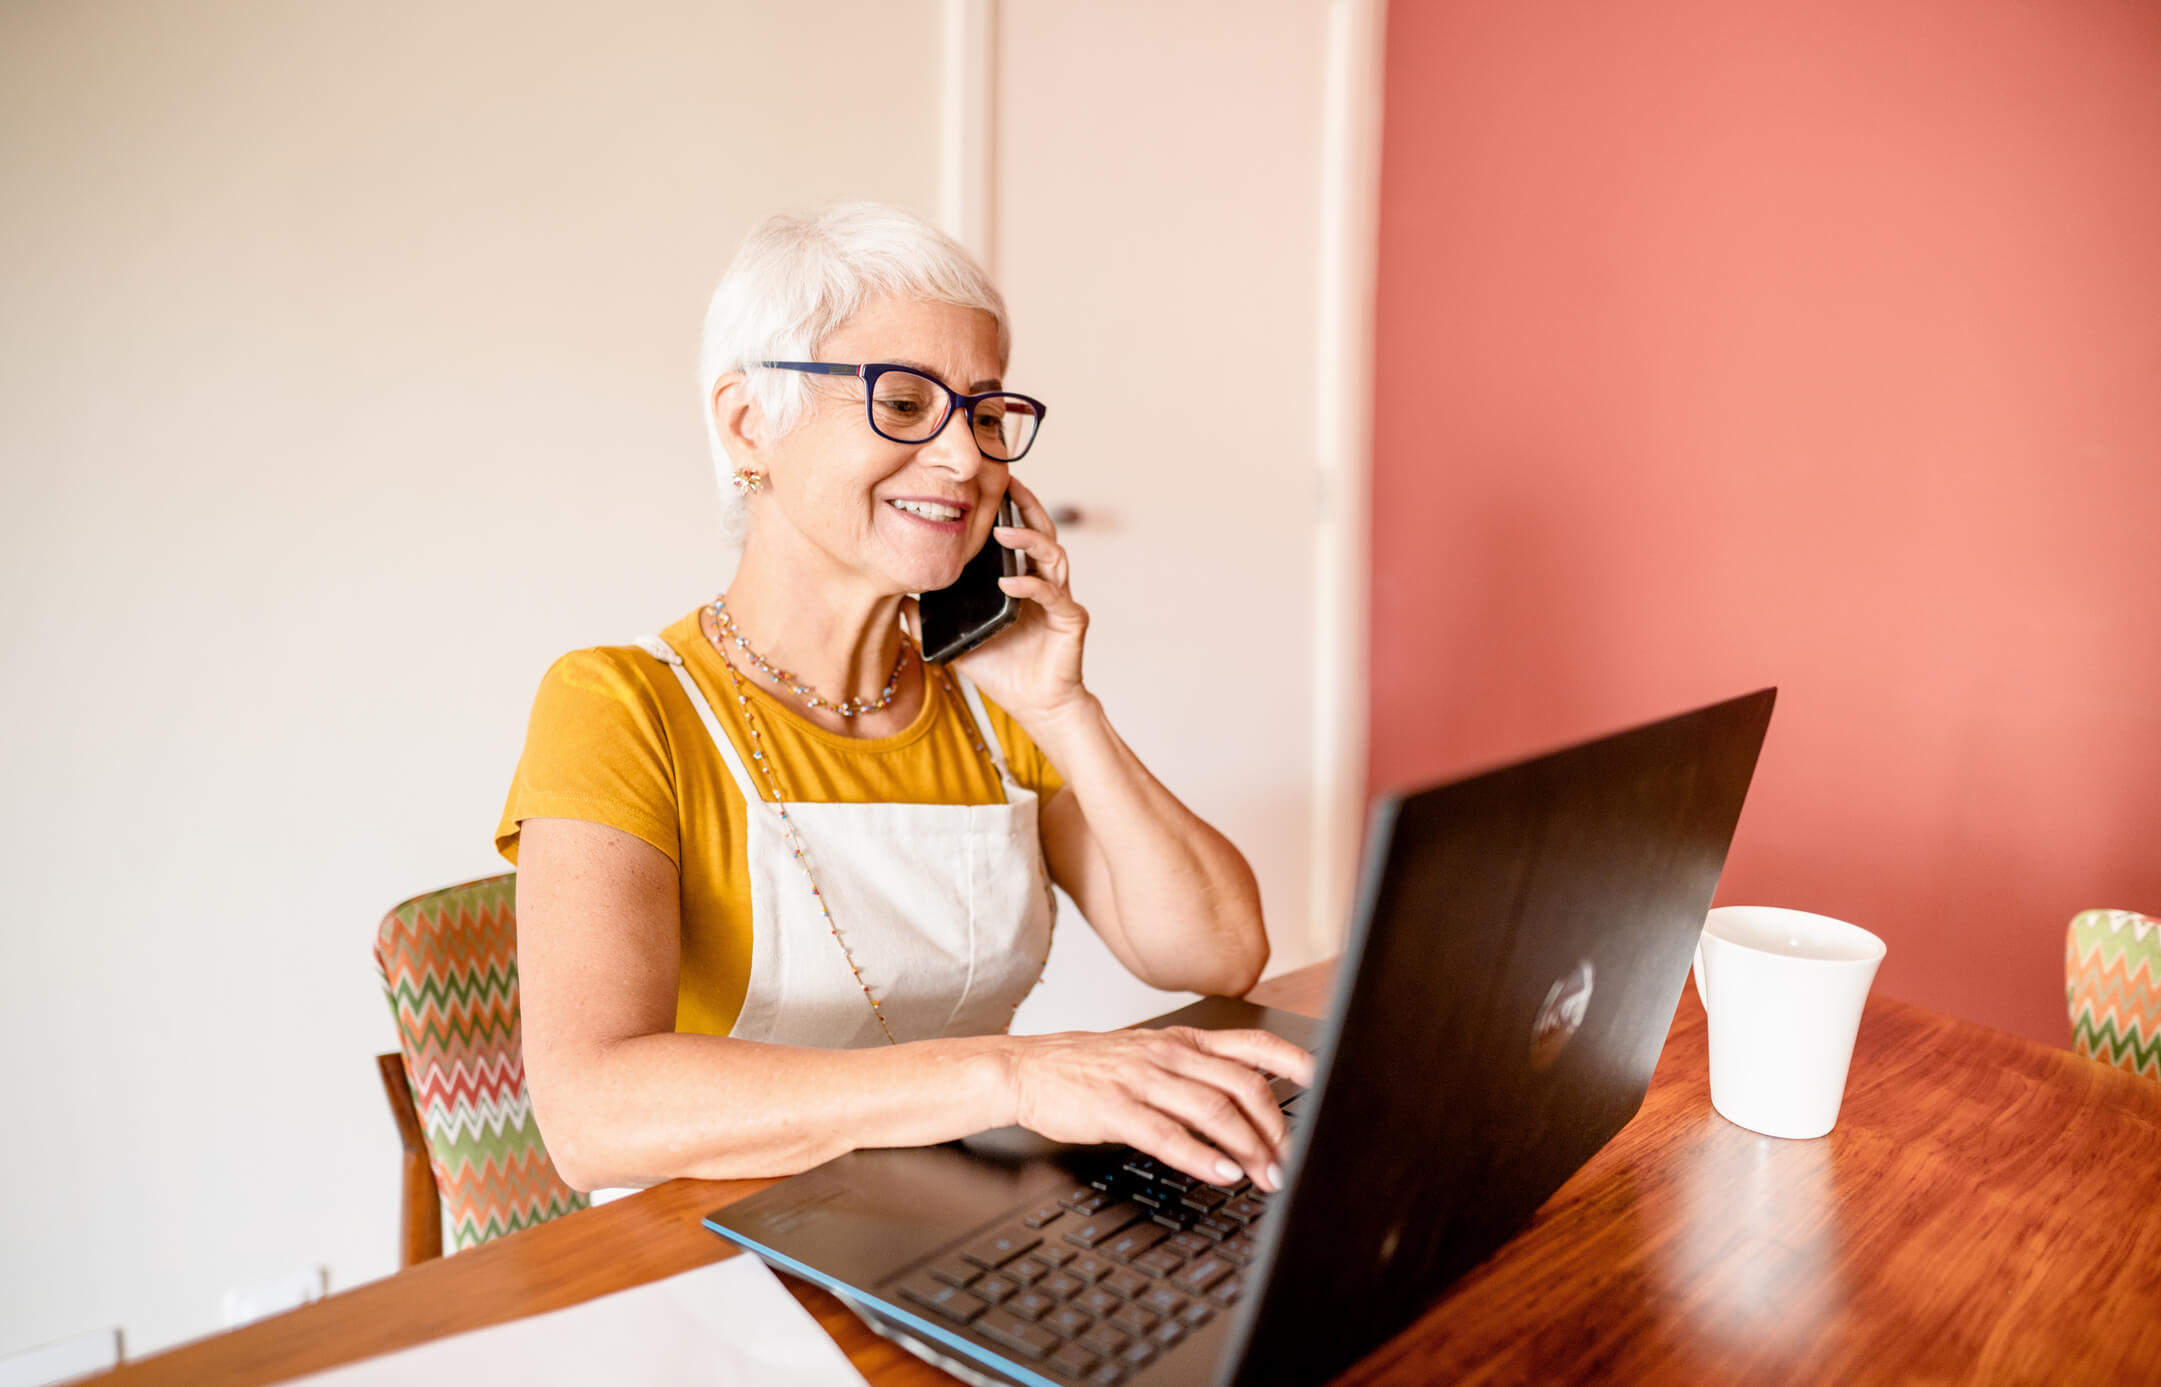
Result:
[{"x": 836, "y": 636}]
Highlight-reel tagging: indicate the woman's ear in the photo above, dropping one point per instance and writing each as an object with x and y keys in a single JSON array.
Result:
[{"x": 738, "y": 421}]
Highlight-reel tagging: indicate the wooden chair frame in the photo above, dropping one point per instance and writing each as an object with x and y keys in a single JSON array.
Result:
[{"x": 420, "y": 1224}]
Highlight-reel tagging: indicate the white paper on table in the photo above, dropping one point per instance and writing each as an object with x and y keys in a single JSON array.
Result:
[{"x": 732, "y": 1322}]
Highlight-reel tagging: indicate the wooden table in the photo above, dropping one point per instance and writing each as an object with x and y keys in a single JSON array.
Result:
[{"x": 1984, "y": 1212}]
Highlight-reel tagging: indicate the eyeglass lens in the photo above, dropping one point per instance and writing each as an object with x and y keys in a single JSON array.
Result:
[{"x": 910, "y": 408}]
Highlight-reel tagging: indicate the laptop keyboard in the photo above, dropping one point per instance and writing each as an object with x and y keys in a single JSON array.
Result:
[{"x": 1097, "y": 1284}]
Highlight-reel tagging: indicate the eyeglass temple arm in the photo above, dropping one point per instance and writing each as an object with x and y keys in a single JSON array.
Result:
[{"x": 816, "y": 368}]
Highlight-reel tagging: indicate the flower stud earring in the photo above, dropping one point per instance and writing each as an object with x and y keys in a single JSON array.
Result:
[{"x": 747, "y": 481}]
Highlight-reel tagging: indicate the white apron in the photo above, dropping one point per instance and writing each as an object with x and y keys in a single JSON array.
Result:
[{"x": 946, "y": 907}]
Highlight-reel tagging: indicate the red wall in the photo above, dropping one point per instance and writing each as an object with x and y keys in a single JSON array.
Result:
[{"x": 1816, "y": 345}]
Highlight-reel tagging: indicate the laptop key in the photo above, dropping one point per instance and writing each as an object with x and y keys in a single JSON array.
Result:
[
  {"x": 1030, "y": 1305},
  {"x": 1195, "y": 1315},
  {"x": 952, "y": 1302},
  {"x": 1134, "y": 1241},
  {"x": 1164, "y": 1301},
  {"x": 1065, "y": 1321},
  {"x": 1188, "y": 1242},
  {"x": 1125, "y": 1284},
  {"x": 1167, "y": 1334},
  {"x": 1108, "y": 1375},
  {"x": 1239, "y": 1249},
  {"x": 996, "y": 1289},
  {"x": 1106, "y": 1340},
  {"x": 1051, "y": 1254},
  {"x": 1073, "y": 1361},
  {"x": 1161, "y": 1262},
  {"x": 1202, "y": 1274},
  {"x": 1134, "y": 1319},
  {"x": 1089, "y": 1267},
  {"x": 1000, "y": 1248},
  {"x": 1027, "y": 1271},
  {"x": 1206, "y": 1198},
  {"x": 1245, "y": 1210},
  {"x": 1049, "y": 1213},
  {"x": 1085, "y": 1200},
  {"x": 1216, "y": 1228},
  {"x": 1061, "y": 1286},
  {"x": 955, "y": 1272},
  {"x": 1099, "y": 1301},
  {"x": 1106, "y": 1224},
  {"x": 1227, "y": 1293},
  {"x": 1015, "y": 1333},
  {"x": 1138, "y": 1355}
]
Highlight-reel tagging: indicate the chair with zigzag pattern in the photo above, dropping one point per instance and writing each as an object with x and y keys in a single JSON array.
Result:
[
  {"x": 2112, "y": 982},
  {"x": 448, "y": 962}
]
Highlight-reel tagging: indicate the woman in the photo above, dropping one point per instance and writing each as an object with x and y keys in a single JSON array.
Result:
[{"x": 780, "y": 885}]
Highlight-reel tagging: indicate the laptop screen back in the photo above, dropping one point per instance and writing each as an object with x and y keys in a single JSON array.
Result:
[{"x": 1521, "y": 943}]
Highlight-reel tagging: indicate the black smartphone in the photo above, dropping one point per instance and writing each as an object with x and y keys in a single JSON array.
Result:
[{"x": 957, "y": 619}]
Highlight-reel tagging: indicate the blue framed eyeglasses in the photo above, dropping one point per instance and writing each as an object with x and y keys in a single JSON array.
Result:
[{"x": 907, "y": 406}]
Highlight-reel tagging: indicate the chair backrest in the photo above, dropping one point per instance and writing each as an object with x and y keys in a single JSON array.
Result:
[
  {"x": 2112, "y": 982},
  {"x": 449, "y": 965}
]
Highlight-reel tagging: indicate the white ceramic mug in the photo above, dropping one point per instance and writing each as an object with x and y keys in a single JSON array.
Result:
[{"x": 1783, "y": 991}]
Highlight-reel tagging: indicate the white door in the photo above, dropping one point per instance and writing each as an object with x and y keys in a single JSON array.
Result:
[{"x": 1154, "y": 217}]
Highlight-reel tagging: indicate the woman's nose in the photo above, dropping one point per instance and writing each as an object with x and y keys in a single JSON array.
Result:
[{"x": 953, "y": 446}]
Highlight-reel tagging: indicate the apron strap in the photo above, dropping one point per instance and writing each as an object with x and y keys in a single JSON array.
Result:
[
  {"x": 665, "y": 653},
  {"x": 974, "y": 701}
]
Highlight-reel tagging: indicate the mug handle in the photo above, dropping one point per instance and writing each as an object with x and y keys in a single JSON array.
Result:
[{"x": 1696, "y": 972}]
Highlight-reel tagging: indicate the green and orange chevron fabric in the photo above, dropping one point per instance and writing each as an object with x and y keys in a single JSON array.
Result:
[
  {"x": 449, "y": 965},
  {"x": 2112, "y": 981}
]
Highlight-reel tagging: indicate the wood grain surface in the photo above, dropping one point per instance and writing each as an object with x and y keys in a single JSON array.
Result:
[{"x": 1983, "y": 1213}]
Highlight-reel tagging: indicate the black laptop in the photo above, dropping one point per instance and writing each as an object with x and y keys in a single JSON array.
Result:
[{"x": 1520, "y": 943}]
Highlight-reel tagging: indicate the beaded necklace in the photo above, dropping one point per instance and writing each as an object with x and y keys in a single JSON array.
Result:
[
  {"x": 779, "y": 802},
  {"x": 847, "y": 707}
]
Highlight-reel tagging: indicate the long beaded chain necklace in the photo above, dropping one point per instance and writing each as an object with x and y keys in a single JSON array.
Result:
[
  {"x": 779, "y": 803},
  {"x": 847, "y": 707}
]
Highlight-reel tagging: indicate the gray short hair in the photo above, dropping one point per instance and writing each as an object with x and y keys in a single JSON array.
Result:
[{"x": 797, "y": 279}]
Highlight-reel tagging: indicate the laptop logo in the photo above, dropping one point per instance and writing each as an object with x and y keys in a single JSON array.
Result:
[{"x": 1567, "y": 1002}]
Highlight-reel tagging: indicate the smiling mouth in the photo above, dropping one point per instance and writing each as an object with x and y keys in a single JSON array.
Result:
[{"x": 929, "y": 510}]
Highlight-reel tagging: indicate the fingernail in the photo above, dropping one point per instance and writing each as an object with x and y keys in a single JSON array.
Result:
[
  {"x": 1275, "y": 1175},
  {"x": 1226, "y": 1172}
]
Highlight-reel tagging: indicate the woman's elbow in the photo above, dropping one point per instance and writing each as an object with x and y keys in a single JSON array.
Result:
[
  {"x": 573, "y": 1161},
  {"x": 1247, "y": 970},
  {"x": 560, "y": 1117}
]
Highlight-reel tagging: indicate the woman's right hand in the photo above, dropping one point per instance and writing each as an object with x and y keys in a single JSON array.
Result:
[{"x": 1194, "y": 1099}]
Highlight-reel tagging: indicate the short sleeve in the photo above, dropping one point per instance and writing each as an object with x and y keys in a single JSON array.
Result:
[
  {"x": 1029, "y": 765},
  {"x": 596, "y": 749}
]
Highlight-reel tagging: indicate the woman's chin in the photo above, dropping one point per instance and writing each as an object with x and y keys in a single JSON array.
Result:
[
  {"x": 928, "y": 577},
  {"x": 923, "y": 567}
]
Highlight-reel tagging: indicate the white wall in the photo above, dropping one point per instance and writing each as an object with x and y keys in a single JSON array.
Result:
[{"x": 346, "y": 358}]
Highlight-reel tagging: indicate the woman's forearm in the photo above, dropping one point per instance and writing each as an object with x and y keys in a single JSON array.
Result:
[
  {"x": 1183, "y": 898},
  {"x": 651, "y": 1107}
]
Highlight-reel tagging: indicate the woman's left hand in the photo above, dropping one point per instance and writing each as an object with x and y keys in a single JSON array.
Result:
[{"x": 1032, "y": 669}]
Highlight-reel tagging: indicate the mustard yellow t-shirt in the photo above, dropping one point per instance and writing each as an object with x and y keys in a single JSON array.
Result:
[{"x": 614, "y": 740}]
